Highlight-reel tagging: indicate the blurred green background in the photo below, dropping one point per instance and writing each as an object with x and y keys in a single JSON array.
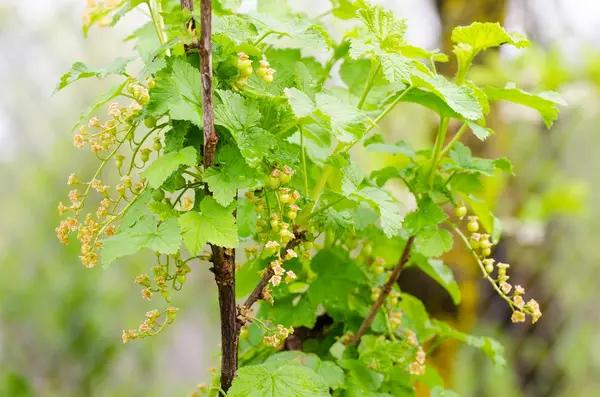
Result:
[{"x": 60, "y": 323}]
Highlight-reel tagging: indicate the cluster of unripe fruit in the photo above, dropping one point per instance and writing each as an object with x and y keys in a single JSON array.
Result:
[
  {"x": 161, "y": 277},
  {"x": 480, "y": 242},
  {"x": 244, "y": 65}
]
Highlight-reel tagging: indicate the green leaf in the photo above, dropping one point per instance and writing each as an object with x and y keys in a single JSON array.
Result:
[
  {"x": 332, "y": 374},
  {"x": 428, "y": 215},
  {"x": 180, "y": 94},
  {"x": 384, "y": 25},
  {"x": 401, "y": 147},
  {"x": 481, "y": 132},
  {"x": 302, "y": 31},
  {"x": 505, "y": 165},
  {"x": 163, "y": 210},
  {"x": 433, "y": 242},
  {"x": 301, "y": 104},
  {"x": 164, "y": 166},
  {"x": 338, "y": 277},
  {"x": 345, "y": 9},
  {"x": 346, "y": 121},
  {"x": 417, "y": 52},
  {"x": 214, "y": 224},
  {"x": 390, "y": 212},
  {"x": 545, "y": 103},
  {"x": 397, "y": 68},
  {"x": 481, "y": 36},
  {"x": 241, "y": 118},
  {"x": 491, "y": 347},
  {"x": 461, "y": 155},
  {"x": 80, "y": 70},
  {"x": 231, "y": 173},
  {"x": 104, "y": 98},
  {"x": 136, "y": 209},
  {"x": 293, "y": 310},
  {"x": 440, "y": 272},
  {"x": 460, "y": 99},
  {"x": 164, "y": 238},
  {"x": 276, "y": 380}
]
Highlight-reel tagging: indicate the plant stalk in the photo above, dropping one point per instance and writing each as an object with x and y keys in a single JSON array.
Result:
[
  {"x": 385, "y": 292},
  {"x": 223, "y": 259}
]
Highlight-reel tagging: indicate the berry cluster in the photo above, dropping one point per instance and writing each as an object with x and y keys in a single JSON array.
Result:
[
  {"x": 244, "y": 65},
  {"x": 481, "y": 247}
]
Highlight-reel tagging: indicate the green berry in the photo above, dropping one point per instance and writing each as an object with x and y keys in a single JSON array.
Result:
[
  {"x": 158, "y": 195},
  {"x": 274, "y": 182},
  {"x": 284, "y": 198},
  {"x": 150, "y": 122},
  {"x": 285, "y": 178},
  {"x": 157, "y": 145},
  {"x": 460, "y": 212},
  {"x": 473, "y": 226},
  {"x": 243, "y": 64},
  {"x": 485, "y": 244},
  {"x": 179, "y": 182}
]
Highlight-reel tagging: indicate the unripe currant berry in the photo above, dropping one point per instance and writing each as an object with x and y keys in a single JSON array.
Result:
[
  {"x": 247, "y": 72},
  {"x": 158, "y": 195},
  {"x": 150, "y": 121},
  {"x": 179, "y": 182},
  {"x": 460, "y": 211},
  {"x": 274, "y": 181},
  {"x": 473, "y": 224},
  {"x": 157, "y": 145},
  {"x": 145, "y": 154},
  {"x": 243, "y": 63},
  {"x": 127, "y": 180},
  {"x": 151, "y": 82},
  {"x": 284, "y": 198},
  {"x": 485, "y": 243}
]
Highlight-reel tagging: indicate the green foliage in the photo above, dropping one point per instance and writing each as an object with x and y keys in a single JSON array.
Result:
[
  {"x": 322, "y": 235},
  {"x": 276, "y": 380}
]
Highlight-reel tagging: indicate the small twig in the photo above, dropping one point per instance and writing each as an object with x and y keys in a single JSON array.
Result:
[
  {"x": 387, "y": 288},
  {"x": 256, "y": 294}
]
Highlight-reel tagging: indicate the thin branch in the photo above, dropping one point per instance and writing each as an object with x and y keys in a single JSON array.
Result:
[
  {"x": 387, "y": 288},
  {"x": 256, "y": 294}
]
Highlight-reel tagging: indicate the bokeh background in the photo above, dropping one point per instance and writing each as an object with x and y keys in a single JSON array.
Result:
[{"x": 60, "y": 323}]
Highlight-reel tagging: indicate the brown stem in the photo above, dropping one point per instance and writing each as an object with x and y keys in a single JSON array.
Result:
[
  {"x": 387, "y": 288},
  {"x": 223, "y": 259},
  {"x": 210, "y": 136}
]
